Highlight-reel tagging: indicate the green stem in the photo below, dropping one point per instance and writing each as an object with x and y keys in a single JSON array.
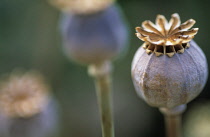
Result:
[
  {"x": 102, "y": 76},
  {"x": 173, "y": 126},
  {"x": 173, "y": 120}
]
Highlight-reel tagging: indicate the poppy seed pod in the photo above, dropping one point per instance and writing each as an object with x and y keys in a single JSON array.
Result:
[
  {"x": 27, "y": 107},
  {"x": 169, "y": 69},
  {"x": 94, "y": 38},
  {"x": 43, "y": 124}
]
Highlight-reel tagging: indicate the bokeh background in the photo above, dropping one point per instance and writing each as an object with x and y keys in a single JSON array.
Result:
[{"x": 30, "y": 39}]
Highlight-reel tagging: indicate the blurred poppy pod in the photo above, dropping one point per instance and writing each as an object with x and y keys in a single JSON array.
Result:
[
  {"x": 169, "y": 69},
  {"x": 94, "y": 38},
  {"x": 93, "y": 35},
  {"x": 27, "y": 108}
]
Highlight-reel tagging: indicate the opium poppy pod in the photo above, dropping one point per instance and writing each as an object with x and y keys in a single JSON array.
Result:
[
  {"x": 43, "y": 124},
  {"x": 169, "y": 69},
  {"x": 27, "y": 107},
  {"x": 94, "y": 38}
]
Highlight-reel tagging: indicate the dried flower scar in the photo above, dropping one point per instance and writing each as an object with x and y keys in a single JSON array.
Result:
[{"x": 166, "y": 37}]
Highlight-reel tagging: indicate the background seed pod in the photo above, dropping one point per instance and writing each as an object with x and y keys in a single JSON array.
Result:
[
  {"x": 95, "y": 37},
  {"x": 44, "y": 124},
  {"x": 169, "y": 82}
]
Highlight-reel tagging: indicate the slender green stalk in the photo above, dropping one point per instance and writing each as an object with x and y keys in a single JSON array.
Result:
[
  {"x": 173, "y": 120},
  {"x": 173, "y": 126},
  {"x": 102, "y": 76}
]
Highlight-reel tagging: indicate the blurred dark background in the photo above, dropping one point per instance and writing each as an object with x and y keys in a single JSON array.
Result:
[{"x": 29, "y": 39}]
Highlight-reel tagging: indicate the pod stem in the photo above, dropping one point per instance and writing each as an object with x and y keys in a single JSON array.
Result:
[
  {"x": 173, "y": 120},
  {"x": 173, "y": 126},
  {"x": 102, "y": 76}
]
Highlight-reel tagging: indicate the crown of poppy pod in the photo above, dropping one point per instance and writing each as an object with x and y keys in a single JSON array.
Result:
[
  {"x": 166, "y": 37},
  {"x": 23, "y": 95},
  {"x": 82, "y": 6}
]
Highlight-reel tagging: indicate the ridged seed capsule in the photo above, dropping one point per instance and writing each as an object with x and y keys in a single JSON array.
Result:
[
  {"x": 94, "y": 38},
  {"x": 27, "y": 107},
  {"x": 169, "y": 69},
  {"x": 93, "y": 31}
]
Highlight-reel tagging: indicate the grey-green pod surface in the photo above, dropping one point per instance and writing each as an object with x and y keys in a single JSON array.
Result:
[
  {"x": 93, "y": 38},
  {"x": 43, "y": 124},
  {"x": 27, "y": 107},
  {"x": 169, "y": 81}
]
